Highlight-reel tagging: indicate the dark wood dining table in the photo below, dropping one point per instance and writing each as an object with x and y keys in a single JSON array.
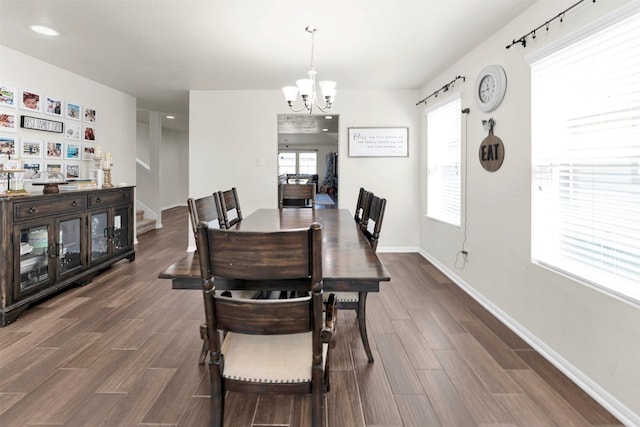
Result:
[{"x": 349, "y": 264}]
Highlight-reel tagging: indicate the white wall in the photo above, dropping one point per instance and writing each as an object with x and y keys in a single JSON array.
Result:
[
  {"x": 592, "y": 336},
  {"x": 174, "y": 167},
  {"x": 116, "y": 111},
  {"x": 231, "y": 131}
]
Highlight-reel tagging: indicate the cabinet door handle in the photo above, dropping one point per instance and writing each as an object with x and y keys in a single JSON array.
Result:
[
  {"x": 33, "y": 210},
  {"x": 98, "y": 200},
  {"x": 124, "y": 196},
  {"x": 52, "y": 250},
  {"x": 74, "y": 203}
]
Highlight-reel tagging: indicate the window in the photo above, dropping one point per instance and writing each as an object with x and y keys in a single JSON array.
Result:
[
  {"x": 443, "y": 161},
  {"x": 585, "y": 106},
  {"x": 302, "y": 162}
]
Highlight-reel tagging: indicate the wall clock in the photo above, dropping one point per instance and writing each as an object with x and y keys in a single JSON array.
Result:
[{"x": 490, "y": 87}]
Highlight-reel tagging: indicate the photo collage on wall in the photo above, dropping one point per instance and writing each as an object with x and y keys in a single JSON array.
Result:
[{"x": 32, "y": 150}]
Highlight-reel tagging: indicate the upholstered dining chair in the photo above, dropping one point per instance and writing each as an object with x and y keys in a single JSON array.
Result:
[
  {"x": 204, "y": 209},
  {"x": 372, "y": 222},
  {"x": 277, "y": 346},
  {"x": 364, "y": 197},
  {"x": 229, "y": 210},
  {"x": 370, "y": 226},
  {"x": 297, "y": 196}
]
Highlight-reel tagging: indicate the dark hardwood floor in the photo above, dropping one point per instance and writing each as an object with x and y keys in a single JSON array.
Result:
[{"x": 123, "y": 351}]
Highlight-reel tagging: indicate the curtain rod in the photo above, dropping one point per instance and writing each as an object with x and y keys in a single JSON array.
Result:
[
  {"x": 444, "y": 88},
  {"x": 523, "y": 40}
]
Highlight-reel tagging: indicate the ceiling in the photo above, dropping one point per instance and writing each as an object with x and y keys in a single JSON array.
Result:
[{"x": 157, "y": 50}]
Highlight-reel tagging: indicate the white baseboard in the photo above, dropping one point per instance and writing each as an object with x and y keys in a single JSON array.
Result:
[{"x": 593, "y": 389}]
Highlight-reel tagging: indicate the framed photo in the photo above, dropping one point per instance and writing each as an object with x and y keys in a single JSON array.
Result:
[
  {"x": 72, "y": 171},
  {"x": 31, "y": 148},
  {"x": 90, "y": 115},
  {"x": 88, "y": 151},
  {"x": 73, "y": 131},
  {"x": 72, "y": 111},
  {"x": 8, "y": 121},
  {"x": 31, "y": 168},
  {"x": 379, "y": 142},
  {"x": 53, "y": 150},
  {"x": 53, "y": 106},
  {"x": 31, "y": 101},
  {"x": 7, "y": 96},
  {"x": 89, "y": 133},
  {"x": 7, "y": 146},
  {"x": 54, "y": 167},
  {"x": 72, "y": 151}
]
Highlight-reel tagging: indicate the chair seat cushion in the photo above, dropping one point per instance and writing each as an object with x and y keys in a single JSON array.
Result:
[{"x": 268, "y": 358}]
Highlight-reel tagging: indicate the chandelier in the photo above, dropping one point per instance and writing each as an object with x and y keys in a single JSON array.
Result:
[{"x": 307, "y": 87}]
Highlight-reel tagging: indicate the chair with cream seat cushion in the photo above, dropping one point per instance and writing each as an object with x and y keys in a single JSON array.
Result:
[
  {"x": 229, "y": 210},
  {"x": 274, "y": 346}
]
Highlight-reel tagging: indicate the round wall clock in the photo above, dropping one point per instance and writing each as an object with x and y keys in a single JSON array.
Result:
[{"x": 490, "y": 87}]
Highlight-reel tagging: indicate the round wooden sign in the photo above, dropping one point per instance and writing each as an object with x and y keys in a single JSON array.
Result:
[{"x": 491, "y": 152}]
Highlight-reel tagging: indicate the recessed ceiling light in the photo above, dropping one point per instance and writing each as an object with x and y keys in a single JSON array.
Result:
[
  {"x": 170, "y": 117},
  {"x": 325, "y": 130},
  {"x": 46, "y": 31},
  {"x": 328, "y": 117}
]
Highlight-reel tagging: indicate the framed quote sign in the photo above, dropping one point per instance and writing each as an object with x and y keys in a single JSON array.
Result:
[{"x": 379, "y": 142}]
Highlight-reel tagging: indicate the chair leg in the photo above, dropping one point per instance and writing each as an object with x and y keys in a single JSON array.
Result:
[
  {"x": 205, "y": 344},
  {"x": 217, "y": 395},
  {"x": 362, "y": 323}
]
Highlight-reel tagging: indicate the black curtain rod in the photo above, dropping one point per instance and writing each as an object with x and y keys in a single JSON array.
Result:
[
  {"x": 444, "y": 88},
  {"x": 523, "y": 40}
]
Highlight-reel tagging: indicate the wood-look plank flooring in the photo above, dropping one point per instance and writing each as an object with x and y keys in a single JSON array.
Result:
[{"x": 123, "y": 351}]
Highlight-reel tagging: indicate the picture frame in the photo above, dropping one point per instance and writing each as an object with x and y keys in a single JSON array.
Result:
[
  {"x": 53, "y": 167},
  {"x": 378, "y": 141},
  {"x": 31, "y": 168},
  {"x": 90, "y": 115},
  {"x": 53, "y": 149},
  {"x": 72, "y": 151},
  {"x": 73, "y": 131},
  {"x": 7, "y": 145},
  {"x": 89, "y": 133},
  {"x": 7, "y": 96},
  {"x": 31, "y": 148},
  {"x": 72, "y": 170},
  {"x": 88, "y": 151},
  {"x": 8, "y": 121},
  {"x": 30, "y": 100},
  {"x": 72, "y": 111},
  {"x": 38, "y": 123},
  {"x": 53, "y": 106}
]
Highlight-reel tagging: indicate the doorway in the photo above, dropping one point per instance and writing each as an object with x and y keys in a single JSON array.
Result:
[{"x": 308, "y": 149}]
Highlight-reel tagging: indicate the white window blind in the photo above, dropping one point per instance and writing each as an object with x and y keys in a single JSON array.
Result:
[
  {"x": 585, "y": 106},
  {"x": 443, "y": 162}
]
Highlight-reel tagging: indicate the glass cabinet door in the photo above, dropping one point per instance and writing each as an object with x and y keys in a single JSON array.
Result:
[
  {"x": 69, "y": 244},
  {"x": 121, "y": 229},
  {"x": 99, "y": 236},
  {"x": 33, "y": 269}
]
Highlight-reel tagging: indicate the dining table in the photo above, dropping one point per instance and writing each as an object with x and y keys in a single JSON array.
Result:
[{"x": 349, "y": 264}]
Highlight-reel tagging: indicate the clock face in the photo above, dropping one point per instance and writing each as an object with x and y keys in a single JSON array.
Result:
[
  {"x": 487, "y": 88},
  {"x": 490, "y": 87}
]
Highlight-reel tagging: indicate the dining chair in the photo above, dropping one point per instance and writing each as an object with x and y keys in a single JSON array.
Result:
[
  {"x": 370, "y": 226},
  {"x": 364, "y": 197},
  {"x": 297, "y": 196},
  {"x": 372, "y": 221},
  {"x": 229, "y": 208},
  {"x": 204, "y": 209},
  {"x": 276, "y": 346}
]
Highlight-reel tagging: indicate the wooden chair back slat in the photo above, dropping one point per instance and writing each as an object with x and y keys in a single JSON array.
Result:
[
  {"x": 304, "y": 194},
  {"x": 372, "y": 222},
  {"x": 264, "y": 317},
  {"x": 228, "y": 201}
]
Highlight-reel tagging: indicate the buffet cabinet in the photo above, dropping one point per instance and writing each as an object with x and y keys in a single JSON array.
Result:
[{"x": 51, "y": 241}]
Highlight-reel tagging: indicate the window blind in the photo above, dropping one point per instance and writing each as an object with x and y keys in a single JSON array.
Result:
[
  {"x": 585, "y": 106},
  {"x": 443, "y": 161}
]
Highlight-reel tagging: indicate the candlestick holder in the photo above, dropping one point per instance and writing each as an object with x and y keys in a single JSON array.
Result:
[{"x": 106, "y": 168}]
